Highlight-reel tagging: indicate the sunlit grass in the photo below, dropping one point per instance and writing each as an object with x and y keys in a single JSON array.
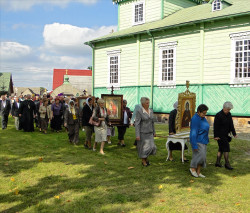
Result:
[{"x": 44, "y": 173}]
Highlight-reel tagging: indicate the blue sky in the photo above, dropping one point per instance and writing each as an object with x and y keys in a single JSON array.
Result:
[{"x": 39, "y": 35}]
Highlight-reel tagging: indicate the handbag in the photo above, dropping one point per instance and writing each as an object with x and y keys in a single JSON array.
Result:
[
  {"x": 94, "y": 123},
  {"x": 229, "y": 139}
]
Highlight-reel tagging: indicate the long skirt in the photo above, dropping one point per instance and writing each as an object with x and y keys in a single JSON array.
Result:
[
  {"x": 44, "y": 123},
  {"x": 56, "y": 122},
  {"x": 146, "y": 145},
  {"x": 101, "y": 133},
  {"x": 199, "y": 157},
  {"x": 73, "y": 132}
]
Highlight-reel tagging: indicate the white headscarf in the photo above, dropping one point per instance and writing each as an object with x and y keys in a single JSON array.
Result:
[
  {"x": 73, "y": 109},
  {"x": 175, "y": 105},
  {"x": 87, "y": 102}
]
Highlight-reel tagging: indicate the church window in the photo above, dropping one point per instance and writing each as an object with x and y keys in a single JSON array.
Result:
[
  {"x": 139, "y": 13},
  {"x": 167, "y": 71},
  {"x": 114, "y": 68},
  {"x": 217, "y": 5},
  {"x": 240, "y": 57}
]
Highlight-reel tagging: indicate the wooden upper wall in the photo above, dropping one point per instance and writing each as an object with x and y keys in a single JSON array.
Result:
[{"x": 155, "y": 10}]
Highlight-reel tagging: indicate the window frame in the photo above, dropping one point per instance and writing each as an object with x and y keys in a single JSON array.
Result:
[
  {"x": 163, "y": 47},
  {"x": 235, "y": 37},
  {"x": 215, "y": 2},
  {"x": 114, "y": 53},
  {"x": 133, "y": 8}
]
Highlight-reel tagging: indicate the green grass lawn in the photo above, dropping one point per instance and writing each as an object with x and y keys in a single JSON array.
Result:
[{"x": 44, "y": 173}]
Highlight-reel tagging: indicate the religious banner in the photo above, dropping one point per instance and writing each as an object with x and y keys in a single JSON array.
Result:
[
  {"x": 114, "y": 105},
  {"x": 186, "y": 110}
]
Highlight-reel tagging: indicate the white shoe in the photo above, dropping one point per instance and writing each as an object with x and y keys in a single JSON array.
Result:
[
  {"x": 194, "y": 173},
  {"x": 201, "y": 175},
  {"x": 94, "y": 149},
  {"x": 109, "y": 142}
]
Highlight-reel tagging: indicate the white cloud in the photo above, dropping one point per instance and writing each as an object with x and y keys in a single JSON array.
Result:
[
  {"x": 68, "y": 39},
  {"x": 66, "y": 61},
  {"x": 27, "y": 4},
  {"x": 13, "y": 50},
  {"x": 24, "y": 26},
  {"x": 63, "y": 48}
]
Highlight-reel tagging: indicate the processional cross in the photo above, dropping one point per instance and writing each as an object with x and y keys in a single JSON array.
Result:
[{"x": 112, "y": 90}]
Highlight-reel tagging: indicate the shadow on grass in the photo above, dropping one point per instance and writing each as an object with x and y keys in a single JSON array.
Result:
[{"x": 106, "y": 183}]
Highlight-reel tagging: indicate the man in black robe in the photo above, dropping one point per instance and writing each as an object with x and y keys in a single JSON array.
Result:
[{"x": 27, "y": 113}]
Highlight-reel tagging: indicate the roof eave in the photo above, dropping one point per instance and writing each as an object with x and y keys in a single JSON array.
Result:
[
  {"x": 120, "y": 1},
  {"x": 228, "y": 1},
  {"x": 92, "y": 42}
]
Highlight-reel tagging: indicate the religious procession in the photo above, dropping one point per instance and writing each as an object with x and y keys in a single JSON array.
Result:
[
  {"x": 125, "y": 106},
  {"x": 63, "y": 114}
]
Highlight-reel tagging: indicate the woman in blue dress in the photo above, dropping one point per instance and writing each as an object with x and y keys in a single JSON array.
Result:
[{"x": 199, "y": 130}]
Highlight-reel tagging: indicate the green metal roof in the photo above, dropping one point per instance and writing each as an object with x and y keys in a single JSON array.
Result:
[
  {"x": 5, "y": 78},
  {"x": 228, "y": 1},
  {"x": 186, "y": 16},
  {"x": 118, "y": 1}
]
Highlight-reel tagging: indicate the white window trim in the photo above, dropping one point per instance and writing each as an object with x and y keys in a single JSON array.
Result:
[
  {"x": 133, "y": 13},
  {"x": 162, "y": 47},
  {"x": 213, "y": 6},
  {"x": 237, "y": 82},
  {"x": 113, "y": 53}
]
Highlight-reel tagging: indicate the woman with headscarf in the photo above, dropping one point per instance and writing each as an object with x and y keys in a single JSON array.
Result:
[
  {"x": 65, "y": 107},
  {"x": 87, "y": 112},
  {"x": 172, "y": 131},
  {"x": 72, "y": 122}
]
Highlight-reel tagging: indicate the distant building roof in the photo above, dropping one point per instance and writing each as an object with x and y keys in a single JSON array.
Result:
[
  {"x": 66, "y": 89},
  {"x": 33, "y": 90},
  {"x": 58, "y": 75}
]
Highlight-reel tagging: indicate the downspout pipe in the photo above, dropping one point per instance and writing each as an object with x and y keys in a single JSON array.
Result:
[
  {"x": 202, "y": 38},
  {"x": 153, "y": 69},
  {"x": 93, "y": 67}
]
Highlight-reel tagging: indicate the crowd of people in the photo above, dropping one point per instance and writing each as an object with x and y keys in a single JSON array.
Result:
[{"x": 62, "y": 112}]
